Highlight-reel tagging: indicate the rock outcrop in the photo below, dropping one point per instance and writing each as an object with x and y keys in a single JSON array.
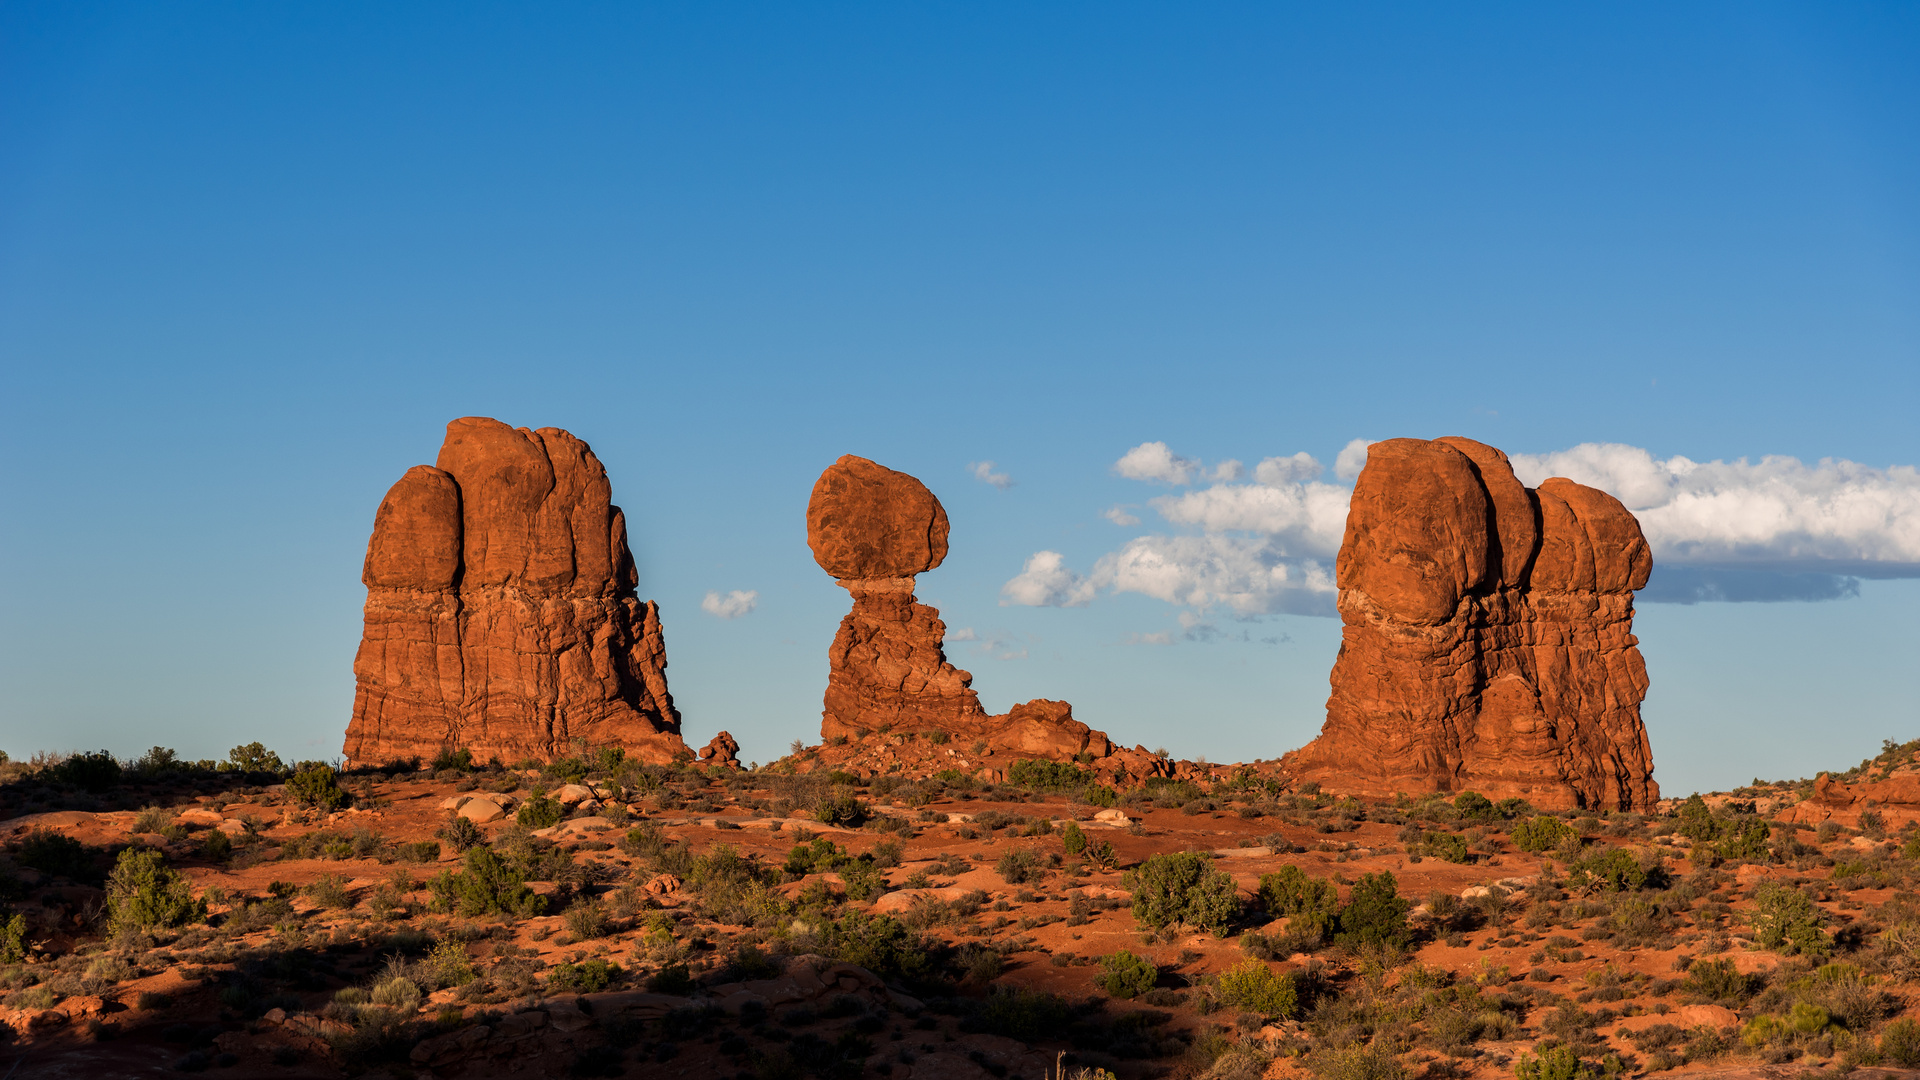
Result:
[
  {"x": 1488, "y": 640},
  {"x": 874, "y": 529},
  {"x": 1896, "y": 798},
  {"x": 501, "y": 616}
]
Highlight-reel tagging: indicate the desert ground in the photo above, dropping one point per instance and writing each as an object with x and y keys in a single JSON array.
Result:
[{"x": 603, "y": 918}]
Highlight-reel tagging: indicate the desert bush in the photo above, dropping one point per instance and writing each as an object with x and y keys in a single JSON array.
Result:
[
  {"x": 1748, "y": 841},
  {"x": 1360, "y": 1061},
  {"x": 1900, "y": 1043},
  {"x": 1615, "y": 870},
  {"x": 58, "y": 855},
  {"x": 841, "y": 808},
  {"x": 586, "y": 977},
  {"x": 95, "y": 772},
  {"x": 1124, "y": 975},
  {"x": 888, "y": 853},
  {"x": 487, "y": 885},
  {"x": 1445, "y": 846},
  {"x": 1252, "y": 986},
  {"x": 397, "y": 993},
  {"x": 254, "y": 757},
  {"x": 1016, "y": 1013},
  {"x": 1785, "y": 921},
  {"x": 144, "y": 894},
  {"x": 1182, "y": 888},
  {"x": 1289, "y": 891},
  {"x": 1718, "y": 981},
  {"x": 587, "y": 918},
  {"x": 317, "y": 787},
  {"x": 1696, "y": 820},
  {"x": 330, "y": 890},
  {"x": 1073, "y": 839},
  {"x": 1375, "y": 913},
  {"x": 421, "y": 851},
  {"x": 1553, "y": 1063},
  {"x": 153, "y": 819},
  {"x": 542, "y": 811},
  {"x": 1473, "y": 806},
  {"x": 1543, "y": 833},
  {"x": 449, "y": 758},
  {"x": 1019, "y": 865},
  {"x": 461, "y": 833},
  {"x": 879, "y": 943},
  {"x": 13, "y": 939},
  {"x": 1048, "y": 775}
]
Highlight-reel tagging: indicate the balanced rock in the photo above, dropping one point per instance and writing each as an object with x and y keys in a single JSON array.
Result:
[
  {"x": 1488, "y": 640},
  {"x": 501, "y": 616},
  {"x": 723, "y": 751},
  {"x": 874, "y": 529}
]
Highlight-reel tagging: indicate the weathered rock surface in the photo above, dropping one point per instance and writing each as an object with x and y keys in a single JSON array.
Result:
[
  {"x": 1488, "y": 640},
  {"x": 874, "y": 529},
  {"x": 501, "y": 616},
  {"x": 722, "y": 750},
  {"x": 1895, "y": 798}
]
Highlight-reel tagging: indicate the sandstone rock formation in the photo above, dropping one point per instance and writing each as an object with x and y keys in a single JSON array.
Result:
[
  {"x": 1488, "y": 640},
  {"x": 874, "y": 529},
  {"x": 1896, "y": 798},
  {"x": 723, "y": 750},
  {"x": 501, "y": 616}
]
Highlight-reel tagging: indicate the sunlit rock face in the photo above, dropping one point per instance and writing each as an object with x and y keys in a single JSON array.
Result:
[{"x": 1488, "y": 639}]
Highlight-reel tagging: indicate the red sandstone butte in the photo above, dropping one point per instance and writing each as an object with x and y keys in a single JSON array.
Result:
[
  {"x": 1488, "y": 639},
  {"x": 501, "y": 616},
  {"x": 874, "y": 529}
]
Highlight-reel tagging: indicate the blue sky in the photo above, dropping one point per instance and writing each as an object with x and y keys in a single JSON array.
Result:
[{"x": 253, "y": 259}]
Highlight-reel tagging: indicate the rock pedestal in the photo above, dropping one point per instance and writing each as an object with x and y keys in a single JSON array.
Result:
[
  {"x": 501, "y": 616},
  {"x": 874, "y": 529},
  {"x": 1488, "y": 640}
]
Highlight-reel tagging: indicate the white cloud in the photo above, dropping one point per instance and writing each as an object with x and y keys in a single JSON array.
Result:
[
  {"x": 1778, "y": 511},
  {"x": 1227, "y": 471},
  {"x": 1774, "y": 530},
  {"x": 965, "y": 633},
  {"x": 1347, "y": 464},
  {"x": 731, "y": 606},
  {"x": 983, "y": 471},
  {"x": 1155, "y": 464}
]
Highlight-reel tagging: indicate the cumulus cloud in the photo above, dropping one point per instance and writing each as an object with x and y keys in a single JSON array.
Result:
[
  {"x": 732, "y": 605},
  {"x": 965, "y": 633},
  {"x": 1777, "y": 513},
  {"x": 1776, "y": 529},
  {"x": 983, "y": 471},
  {"x": 1155, "y": 464},
  {"x": 1046, "y": 582}
]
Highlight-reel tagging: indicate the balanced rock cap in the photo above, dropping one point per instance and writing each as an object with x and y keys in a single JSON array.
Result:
[{"x": 868, "y": 521}]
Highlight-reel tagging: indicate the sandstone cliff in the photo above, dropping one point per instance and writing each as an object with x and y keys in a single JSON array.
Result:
[
  {"x": 501, "y": 616},
  {"x": 1488, "y": 640}
]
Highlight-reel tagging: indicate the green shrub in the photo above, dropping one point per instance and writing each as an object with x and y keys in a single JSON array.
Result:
[
  {"x": 1553, "y": 1063},
  {"x": 144, "y": 894},
  {"x": 1375, "y": 913},
  {"x": 586, "y": 977},
  {"x": 879, "y": 943},
  {"x": 1252, "y": 986},
  {"x": 461, "y": 833},
  {"x": 1806, "y": 1018},
  {"x": 672, "y": 979},
  {"x": 1900, "y": 1043},
  {"x": 1696, "y": 820},
  {"x": 1099, "y": 795},
  {"x": 56, "y": 854},
  {"x": 1361, "y": 1061},
  {"x": 1072, "y": 839},
  {"x": 315, "y": 786},
  {"x": 1124, "y": 975},
  {"x": 863, "y": 879},
  {"x": 1718, "y": 981},
  {"x": 449, "y": 758},
  {"x": 1747, "y": 841},
  {"x": 1474, "y": 806},
  {"x": 542, "y": 811},
  {"x": 1542, "y": 833},
  {"x": 94, "y": 772},
  {"x": 1445, "y": 846},
  {"x": 587, "y": 918},
  {"x": 1289, "y": 891},
  {"x": 1614, "y": 870},
  {"x": 397, "y": 992},
  {"x": 841, "y": 808},
  {"x": 330, "y": 890},
  {"x": 421, "y": 851},
  {"x": 1047, "y": 775},
  {"x": 1787, "y": 922},
  {"x": 1018, "y": 866},
  {"x": 254, "y": 758},
  {"x": 13, "y": 939},
  {"x": 1182, "y": 888},
  {"x": 486, "y": 886},
  {"x": 1027, "y": 1015}
]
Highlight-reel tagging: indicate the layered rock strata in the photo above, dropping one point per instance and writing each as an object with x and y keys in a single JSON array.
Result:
[
  {"x": 1488, "y": 639},
  {"x": 501, "y": 616},
  {"x": 874, "y": 530}
]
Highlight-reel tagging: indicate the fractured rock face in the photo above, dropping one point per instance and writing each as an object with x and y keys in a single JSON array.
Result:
[
  {"x": 1488, "y": 641},
  {"x": 501, "y": 616},
  {"x": 873, "y": 529}
]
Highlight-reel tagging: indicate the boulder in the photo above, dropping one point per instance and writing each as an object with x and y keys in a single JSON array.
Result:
[
  {"x": 722, "y": 751},
  {"x": 198, "y": 817},
  {"x": 501, "y": 616},
  {"x": 1488, "y": 637},
  {"x": 481, "y": 811},
  {"x": 572, "y": 794}
]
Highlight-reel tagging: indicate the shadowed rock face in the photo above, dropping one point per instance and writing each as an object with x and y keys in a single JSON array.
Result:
[
  {"x": 501, "y": 616},
  {"x": 873, "y": 529},
  {"x": 1488, "y": 640}
]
